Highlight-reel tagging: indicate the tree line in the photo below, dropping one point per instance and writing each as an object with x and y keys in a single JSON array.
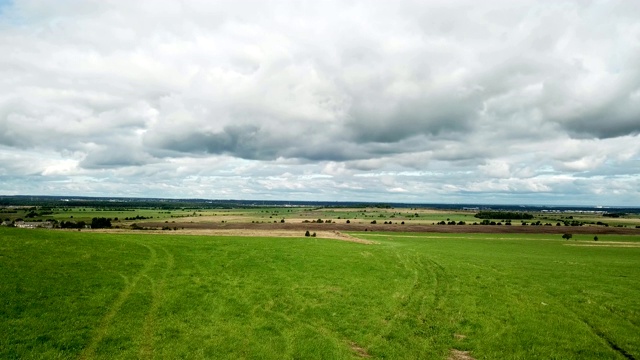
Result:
[{"x": 506, "y": 215}]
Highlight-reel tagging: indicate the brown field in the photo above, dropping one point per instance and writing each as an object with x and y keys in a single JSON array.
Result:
[{"x": 342, "y": 227}]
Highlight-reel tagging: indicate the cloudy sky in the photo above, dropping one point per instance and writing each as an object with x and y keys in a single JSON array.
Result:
[{"x": 534, "y": 102}]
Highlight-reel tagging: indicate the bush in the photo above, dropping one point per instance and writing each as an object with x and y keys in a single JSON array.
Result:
[
  {"x": 307, "y": 234},
  {"x": 567, "y": 236}
]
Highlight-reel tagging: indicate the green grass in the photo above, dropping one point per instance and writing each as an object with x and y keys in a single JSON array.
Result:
[{"x": 90, "y": 295}]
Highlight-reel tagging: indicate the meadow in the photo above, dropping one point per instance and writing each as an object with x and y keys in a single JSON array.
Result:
[{"x": 83, "y": 295}]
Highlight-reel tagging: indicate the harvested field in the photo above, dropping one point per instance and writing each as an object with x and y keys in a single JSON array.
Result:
[{"x": 479, "y": 229}]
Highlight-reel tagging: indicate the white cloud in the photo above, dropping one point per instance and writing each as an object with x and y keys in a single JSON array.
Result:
[{"x": 496, "y": 169}]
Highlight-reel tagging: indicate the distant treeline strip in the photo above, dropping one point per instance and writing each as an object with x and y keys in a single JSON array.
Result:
[{"x": 505, "y": 215}]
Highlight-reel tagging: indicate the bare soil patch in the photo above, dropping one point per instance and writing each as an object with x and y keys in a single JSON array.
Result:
[
  {"x": 360, "y": 351},
  {"x": 459, "y": 355}
]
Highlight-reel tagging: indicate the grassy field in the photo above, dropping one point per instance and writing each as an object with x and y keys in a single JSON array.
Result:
[{"x": 86, "y": 295}]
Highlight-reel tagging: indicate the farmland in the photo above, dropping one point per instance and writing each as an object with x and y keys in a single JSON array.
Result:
[
  {"x": 328, "y": 218},
  {"x": 181, "y": 294}
]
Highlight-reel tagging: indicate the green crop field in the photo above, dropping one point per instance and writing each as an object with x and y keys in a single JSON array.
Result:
[{"x": 81, "y": 295}]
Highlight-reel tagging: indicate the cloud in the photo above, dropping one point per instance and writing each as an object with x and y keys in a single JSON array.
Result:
[{"x": 483, "y": 100}]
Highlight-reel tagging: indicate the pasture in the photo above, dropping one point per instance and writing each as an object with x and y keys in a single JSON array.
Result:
[{"x": 83, "y": 295}]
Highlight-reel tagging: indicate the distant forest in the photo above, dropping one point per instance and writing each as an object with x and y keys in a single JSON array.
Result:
[{"x": 123, "y": 203}]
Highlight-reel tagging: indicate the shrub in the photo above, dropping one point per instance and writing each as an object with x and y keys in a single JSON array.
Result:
[
  {"x": 135, "y": 226},
  {"x": 567, "y": 236},
  {"x": 307, "y": 234}
]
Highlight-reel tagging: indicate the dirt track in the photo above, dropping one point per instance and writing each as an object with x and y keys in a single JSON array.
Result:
[{"x": 482, "y": 229}]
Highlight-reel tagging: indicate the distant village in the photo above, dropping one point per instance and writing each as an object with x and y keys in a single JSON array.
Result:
[{"x": 29, "y": 224}]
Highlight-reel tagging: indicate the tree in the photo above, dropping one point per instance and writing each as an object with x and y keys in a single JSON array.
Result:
[
  {"x": 567, "y": 236},
  {"x": 307, "y": 234},
  {"x": 100, "y": 223},
  {"x": 595, "y": 238}
]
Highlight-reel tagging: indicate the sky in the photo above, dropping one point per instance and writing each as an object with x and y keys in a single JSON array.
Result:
[{"x": 495, "y": 102}]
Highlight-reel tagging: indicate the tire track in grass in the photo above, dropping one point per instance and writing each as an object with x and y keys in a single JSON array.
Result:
[
  {"x": 426, "y": 305},
  {"x": 600, "y": 334},
  {"x": 421, "y": 292},
  {"x": 415, "y": 313},
  {"x": 157, "y": 291},
  {"x": 610, "y": 342},
  {"x": 440, "y": 285},
  {"x": 101, "y": 331}
]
